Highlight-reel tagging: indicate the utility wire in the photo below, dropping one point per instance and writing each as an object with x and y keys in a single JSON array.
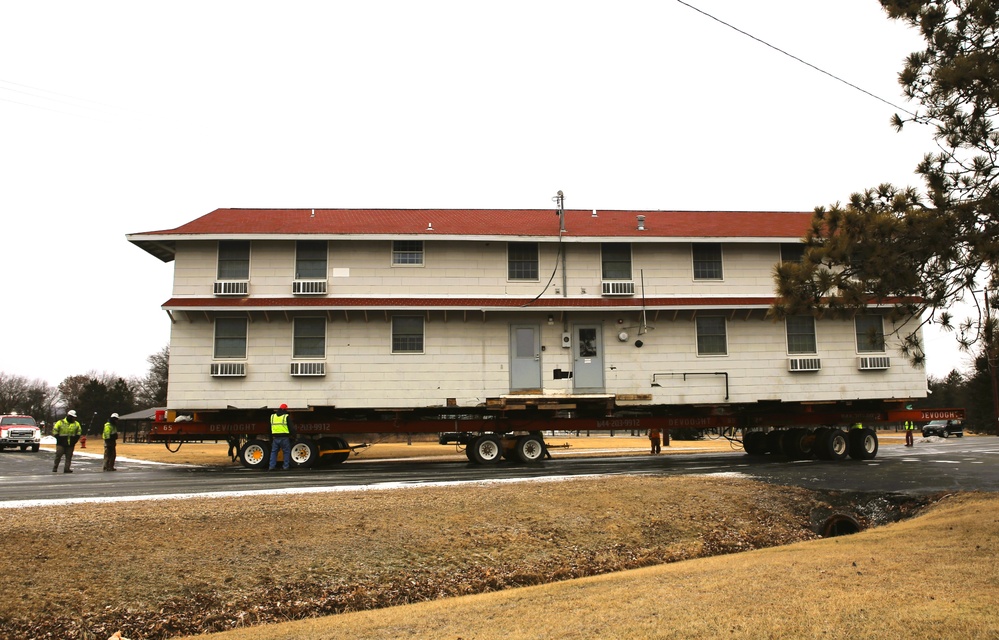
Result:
[{"x": 794, "y": 57}]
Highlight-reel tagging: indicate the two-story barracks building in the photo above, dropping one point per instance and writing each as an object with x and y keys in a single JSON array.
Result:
[{"x": 487, "y": 321}]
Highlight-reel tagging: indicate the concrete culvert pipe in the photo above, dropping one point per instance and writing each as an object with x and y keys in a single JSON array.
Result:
[{"x": 839, "y": 524}]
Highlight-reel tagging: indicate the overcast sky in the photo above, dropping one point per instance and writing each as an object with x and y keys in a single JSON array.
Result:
[{"x": 123, "y": 117}]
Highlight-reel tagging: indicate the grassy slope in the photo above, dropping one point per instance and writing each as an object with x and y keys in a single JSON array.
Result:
[{"x": 885, "y": 583}]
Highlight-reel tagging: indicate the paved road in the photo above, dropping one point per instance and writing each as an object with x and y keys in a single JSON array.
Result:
[{"x": 955, "y": 464}]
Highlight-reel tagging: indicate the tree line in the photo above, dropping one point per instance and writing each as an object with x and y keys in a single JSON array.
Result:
[{"x": 94, "y": 396}]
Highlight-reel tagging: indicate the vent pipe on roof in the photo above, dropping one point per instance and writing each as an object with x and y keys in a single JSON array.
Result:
[
  {"x": 430, "y": 226},
  {"x": 313, "y": 214},
  {"x": 641, "y": 223},
  {"x": 594, "y": 214}
]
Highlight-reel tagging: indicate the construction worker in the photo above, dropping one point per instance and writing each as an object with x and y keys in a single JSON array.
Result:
[
  {"x": 66, "y": 432},
  {"x": 909, "y": 427},
  {"x": 654, "y": 440},
  {"x": 110, "y": 442},
  {"x": 281, "y": 431}
]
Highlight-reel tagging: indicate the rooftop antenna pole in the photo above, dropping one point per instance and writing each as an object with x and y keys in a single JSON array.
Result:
[{"x": 560, "y": 203}]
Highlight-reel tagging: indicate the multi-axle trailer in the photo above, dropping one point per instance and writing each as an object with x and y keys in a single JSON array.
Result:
[{"x": 513, "y": 427}]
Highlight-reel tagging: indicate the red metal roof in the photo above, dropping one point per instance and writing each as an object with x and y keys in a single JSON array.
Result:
[{"x": 491, "y": 222}]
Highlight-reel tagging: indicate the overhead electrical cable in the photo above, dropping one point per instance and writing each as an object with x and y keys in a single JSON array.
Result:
[{"x": 794, "y": 57}]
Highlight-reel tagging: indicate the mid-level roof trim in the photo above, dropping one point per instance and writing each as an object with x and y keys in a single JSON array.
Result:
[{"x": 505, "y": 303}]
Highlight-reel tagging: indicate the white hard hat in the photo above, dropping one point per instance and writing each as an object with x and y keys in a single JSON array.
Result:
[
  {"x": 71, "y": 413},
  {"x": 114, "y": 415}
]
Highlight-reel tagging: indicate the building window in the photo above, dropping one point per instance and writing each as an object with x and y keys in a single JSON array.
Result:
[
  {"x": 707, "y": 260},
  {"x": 792, "y": 251},
  {"x": 407, "y": 252},
  {"x": 234, "y": 260},
  {"x": 800, "y": 334},
  {"x": 310, "y": 259},
  {"x": 230, "y": 337},
  {"x": 522, "y": 260},
  {"x": 310, "y": 338},
  {"x": 711, "y": 339},
  {"x": 615, "y": 260},
  {"x": 407, "y": 334},
  {"x": 870, "y": 334}
]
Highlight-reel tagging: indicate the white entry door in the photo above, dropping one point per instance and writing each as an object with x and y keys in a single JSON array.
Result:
[
  {"x": 588, "y": 350},
  {"x": 525, "y": 357}
]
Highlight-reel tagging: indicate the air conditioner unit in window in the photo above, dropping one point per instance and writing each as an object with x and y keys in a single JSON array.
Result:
[
  {"x": 873, "y": 363},
  {"x": 618, "y": 288},
  {"x": 308, "y": 368},
  {"x": 308, "y": 287},
  {"x": 228, "y": 369},
  {"x": 232, "y": 287},
  {"x": 803, "y": 364}
]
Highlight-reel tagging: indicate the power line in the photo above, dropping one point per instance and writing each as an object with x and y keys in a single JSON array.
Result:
[{"x": 794, "y": 57}]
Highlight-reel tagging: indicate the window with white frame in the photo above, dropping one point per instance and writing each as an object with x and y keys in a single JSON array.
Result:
[
  {"x": 707, "y": 258},
  {"x": 711, "y": 338},
  {"x": 615, "y": 260},
  {"x": 310, "y": 259},
  {"x": 870, "y": 334},
  {"x": 234, "y": 260},
  {"x": 407, "y": 252},
  {"x": 230, "y": 338},
  {"x": 792, "y": 251},
  {"x": 407, "y": 334},
  {"x": 800, "y": 334},
  {"x": 310, "y": 338},
  {"x": 522, "y": 261}
]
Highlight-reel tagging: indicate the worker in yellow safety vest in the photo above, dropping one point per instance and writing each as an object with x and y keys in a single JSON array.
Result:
[
  {"x": 909, "y": 427},
  {"x": 281, "y": 431},
  {"x": 110, "y": 442},
  {"x": 66, "y": 432}
]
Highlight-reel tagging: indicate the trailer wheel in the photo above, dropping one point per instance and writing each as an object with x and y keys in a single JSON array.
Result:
[
  {"x": 332, "y": 458},
  {"x": 839, "y": 444},
  {"x": 487, "y": 449},
  {"x": 773, "y": 441},
  {"x": 530, "y": 449},
  {"x": 754, "y": 443},
  {"x": 863, "y": 444},
  {"x": 796, "y": 443},
  {"x": 255, "y": 454},
  {"x": 304, "y": 453}
]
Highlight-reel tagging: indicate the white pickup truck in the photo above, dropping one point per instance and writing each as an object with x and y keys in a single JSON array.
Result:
[{"x": 19, "y": 431}]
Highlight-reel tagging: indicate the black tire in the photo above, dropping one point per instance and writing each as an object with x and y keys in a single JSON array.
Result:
[
  {"x": 530, "y": 448},
  {"x": 839, "y": 444},
  {"x": 796, "y": 443},
  {"x": 822, "y": 445},
  {"x": 304, "y": 453},
  {"x": 327, "y": 459},
  {"x": 487, "y": 449},
  {"x": 34, "y": 448},
  {"x": 773, "y": 441},
  {"x": 863, "y": 444},
  {"x": 755, "y": 443},
  {"x": 255, "y": 454},
  {"x": 24, "y": 447}
]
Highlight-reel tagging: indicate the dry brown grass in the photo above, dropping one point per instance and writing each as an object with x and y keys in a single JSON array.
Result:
[
  {"x": 162, "y": 569},
  {"x": 159, "y": 569},
  {"x": 931, "y": 577}
]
